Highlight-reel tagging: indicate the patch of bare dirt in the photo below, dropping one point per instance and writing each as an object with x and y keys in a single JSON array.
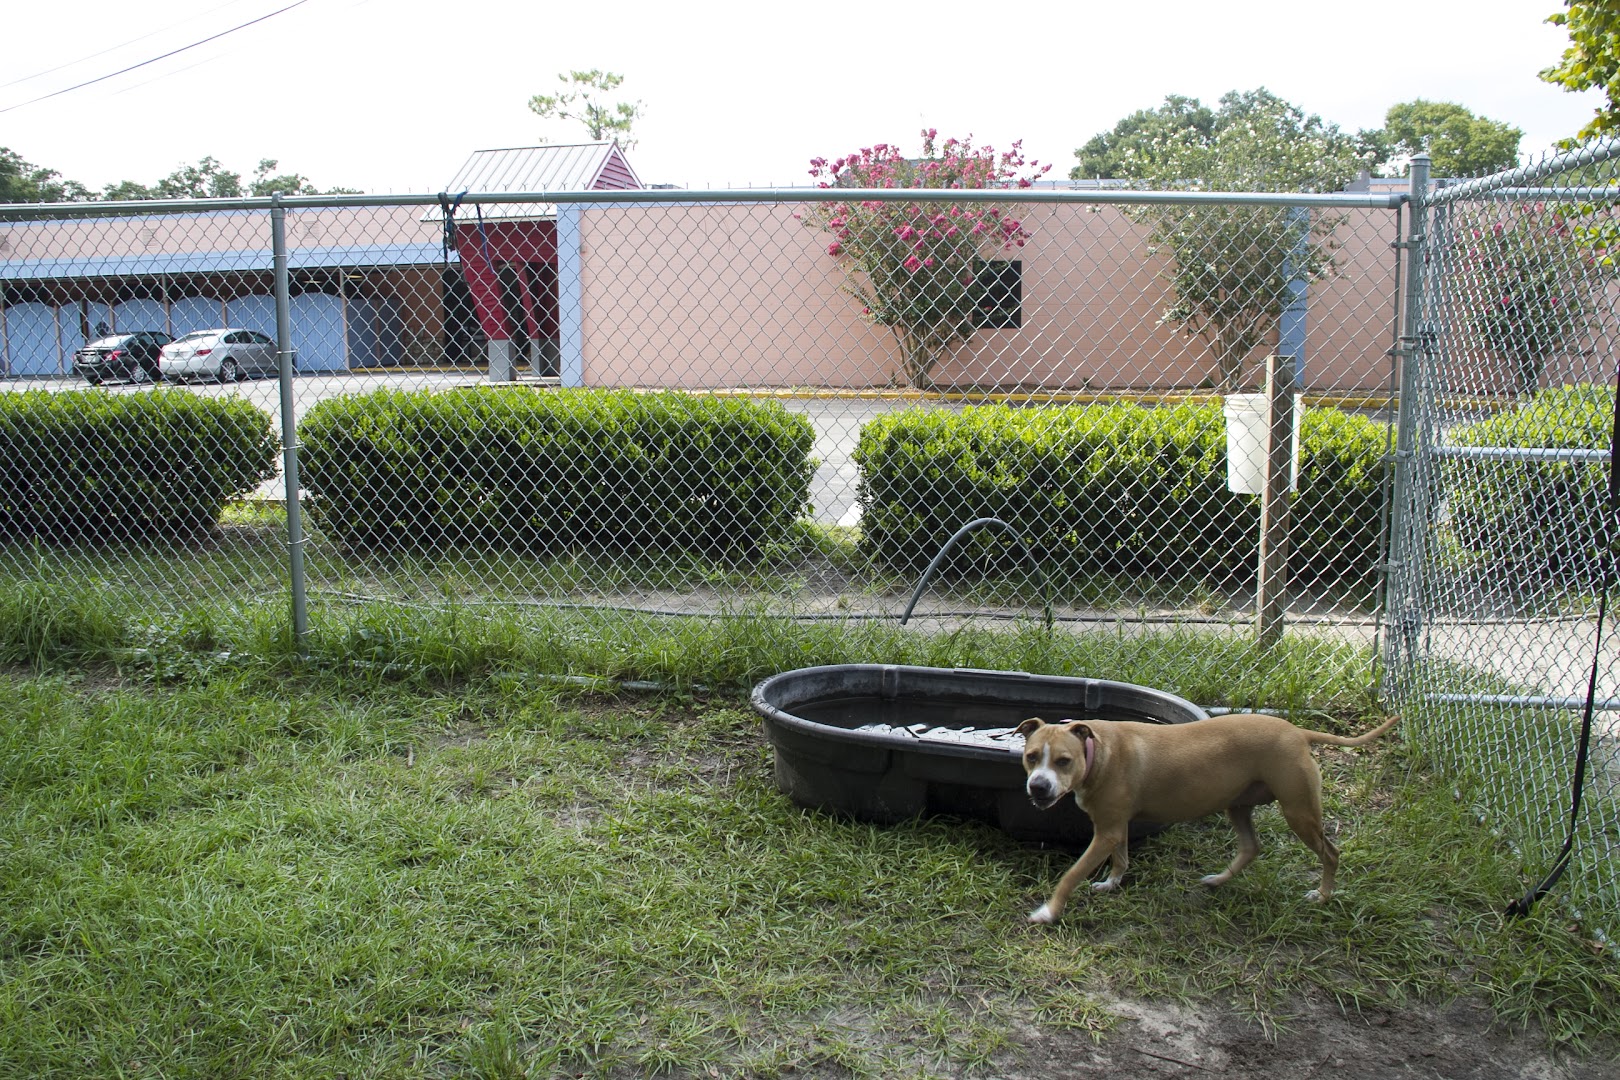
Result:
[{"x": 1451, "y": 1042}]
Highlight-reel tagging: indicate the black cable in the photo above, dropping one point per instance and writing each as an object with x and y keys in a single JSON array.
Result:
[
  {"x": 1521, "y": 907},
  {"x": 448, "y": 210}
]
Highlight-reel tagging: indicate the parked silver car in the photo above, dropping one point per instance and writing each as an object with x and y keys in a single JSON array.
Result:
[{"x": 227, "y": 354}]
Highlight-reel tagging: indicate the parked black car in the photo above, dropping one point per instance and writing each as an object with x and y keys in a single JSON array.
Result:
[{"x": 122, "y": 356}]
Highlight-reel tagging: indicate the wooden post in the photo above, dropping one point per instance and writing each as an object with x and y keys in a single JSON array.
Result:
[{"x": 1271, "y": 598}]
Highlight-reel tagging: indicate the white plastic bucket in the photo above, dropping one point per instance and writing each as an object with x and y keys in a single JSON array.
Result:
[{"x": 1247, "y": 426}]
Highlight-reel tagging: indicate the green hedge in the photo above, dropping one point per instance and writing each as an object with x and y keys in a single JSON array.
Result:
[
  {"x": 1118, "y": 489},
  {"x": 513, "y": 467},
  {"x": 1539, "y": 522},
  {"x": 89, "y": 465}
]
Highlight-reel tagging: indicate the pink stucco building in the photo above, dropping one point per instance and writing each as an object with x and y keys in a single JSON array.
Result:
[{"x": 659, "y": 291}]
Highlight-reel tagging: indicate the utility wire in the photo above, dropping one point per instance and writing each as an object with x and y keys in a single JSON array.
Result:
[
  {"x": 155, "y": 59},
  {"x": 115, "y": 48}
]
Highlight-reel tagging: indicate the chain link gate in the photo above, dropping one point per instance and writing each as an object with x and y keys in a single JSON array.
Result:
[
  {"x": 699, "y": 403},
  {"x": 1503, "y": 526}
]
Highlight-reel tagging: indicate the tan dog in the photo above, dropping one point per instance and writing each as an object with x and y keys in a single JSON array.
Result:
[{"x": 1120, "y": 771}]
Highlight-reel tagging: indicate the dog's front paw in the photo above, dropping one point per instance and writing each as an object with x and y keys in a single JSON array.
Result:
[
  {"x": 1106, "y": 885},
  {"x": 1043, "y": 915},
  {"x": 1314, "y": 896}
]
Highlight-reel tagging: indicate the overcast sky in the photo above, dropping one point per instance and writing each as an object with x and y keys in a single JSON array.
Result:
[{"x": 392, "y": 95}]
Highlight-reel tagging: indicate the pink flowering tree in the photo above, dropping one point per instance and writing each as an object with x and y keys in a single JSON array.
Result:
[
  {"x": 911, "y": 265},
  {"x": 1527, "y": 283}
]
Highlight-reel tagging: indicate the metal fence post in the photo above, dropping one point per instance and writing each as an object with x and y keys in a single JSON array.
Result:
[
  {"x": 287, "y": 358},
  {"x": 1271, "y": 599},
  {"x": 1407, "y": 519},
  {"x": 1291, "y": 326},
  {"x": 570, "y": 289}
]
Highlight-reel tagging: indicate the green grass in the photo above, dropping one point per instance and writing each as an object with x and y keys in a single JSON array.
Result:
[
  {"x": 811, "y": 568},
  {"x": 414, "y": 851},
  {"x": 235, "y": 877},
  {"x": 44, "y": 623}
]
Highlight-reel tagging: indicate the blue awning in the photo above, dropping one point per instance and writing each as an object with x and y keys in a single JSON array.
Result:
[{"x": 220, "y": 262}]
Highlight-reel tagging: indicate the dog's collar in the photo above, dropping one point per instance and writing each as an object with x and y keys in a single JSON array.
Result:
[{"x": 1091, "y": 747}]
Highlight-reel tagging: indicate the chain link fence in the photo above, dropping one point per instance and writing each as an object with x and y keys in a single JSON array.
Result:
[
  {"x": 1505, "y": 519},
  {"x": 1059, "y": 348},
  {"x": 793, "y": 402}
]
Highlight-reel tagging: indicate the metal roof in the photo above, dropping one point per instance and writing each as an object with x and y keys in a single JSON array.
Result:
[{"x": 552, "y": 167}]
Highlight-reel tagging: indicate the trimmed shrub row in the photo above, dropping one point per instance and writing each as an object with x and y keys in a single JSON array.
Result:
[
  {"x": 1118, "y": 489},
  {"x": 88, "y": 465},
  {"x": 489, "y": 466},
  {"x": 1540, "y": 522}
]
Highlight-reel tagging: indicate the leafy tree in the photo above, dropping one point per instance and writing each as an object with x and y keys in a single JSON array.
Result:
[
  {"x": 1135, "y": 144},
  {"x": 911, "y": 265},
  {"x": 126, "y": 190},
  {"x": 1592, "y": 60},
  {"x": 24, "y": 182},
  {"x": 583, "y": 99},
  {"x": 209, "y": 179},
  {"x": 1232, "y": 266},
  {"x": 267, "y": 182},
  {"x": 1527, "y": 282},
  {"x": 1459, "y": 143}
]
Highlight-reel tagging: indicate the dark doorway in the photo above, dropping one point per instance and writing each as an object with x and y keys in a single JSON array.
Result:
[
  {"x": 464, "y": 341},
  {"x": 517, "y": 325}
]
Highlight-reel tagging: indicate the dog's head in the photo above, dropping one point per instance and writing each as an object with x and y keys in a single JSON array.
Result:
[{"x": 1056, "y": 758}]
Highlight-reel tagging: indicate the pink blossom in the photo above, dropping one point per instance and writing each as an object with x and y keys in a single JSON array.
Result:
[
  {"x": 912, "y": 263},
  {"x": 835, "y": 248}
]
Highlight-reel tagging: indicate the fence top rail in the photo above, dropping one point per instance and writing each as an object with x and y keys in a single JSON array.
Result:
[
  {"x": 666, "y": 197},
  {"x": 1527, "y": 175}
]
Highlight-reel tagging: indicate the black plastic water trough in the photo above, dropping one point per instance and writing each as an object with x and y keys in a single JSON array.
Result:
[{"x": 885, "y": 742}]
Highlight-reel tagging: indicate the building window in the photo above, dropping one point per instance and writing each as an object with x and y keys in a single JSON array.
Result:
[{"x": 999, "y": 288}]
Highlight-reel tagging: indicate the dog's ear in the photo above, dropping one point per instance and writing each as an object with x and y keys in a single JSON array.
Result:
[
  {"x": 1030, "y": 725},
  {"x": 1078, "y": 728}
]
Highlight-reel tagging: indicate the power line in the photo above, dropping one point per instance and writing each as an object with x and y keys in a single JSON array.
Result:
[
  {"x": 165, "y": 75},
  {"x": 155, "y": 59},
  {"x": 122, "y": 45}
]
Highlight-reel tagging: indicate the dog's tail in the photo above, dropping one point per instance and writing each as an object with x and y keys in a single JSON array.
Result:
[{"x": 1358, "y": 740}]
